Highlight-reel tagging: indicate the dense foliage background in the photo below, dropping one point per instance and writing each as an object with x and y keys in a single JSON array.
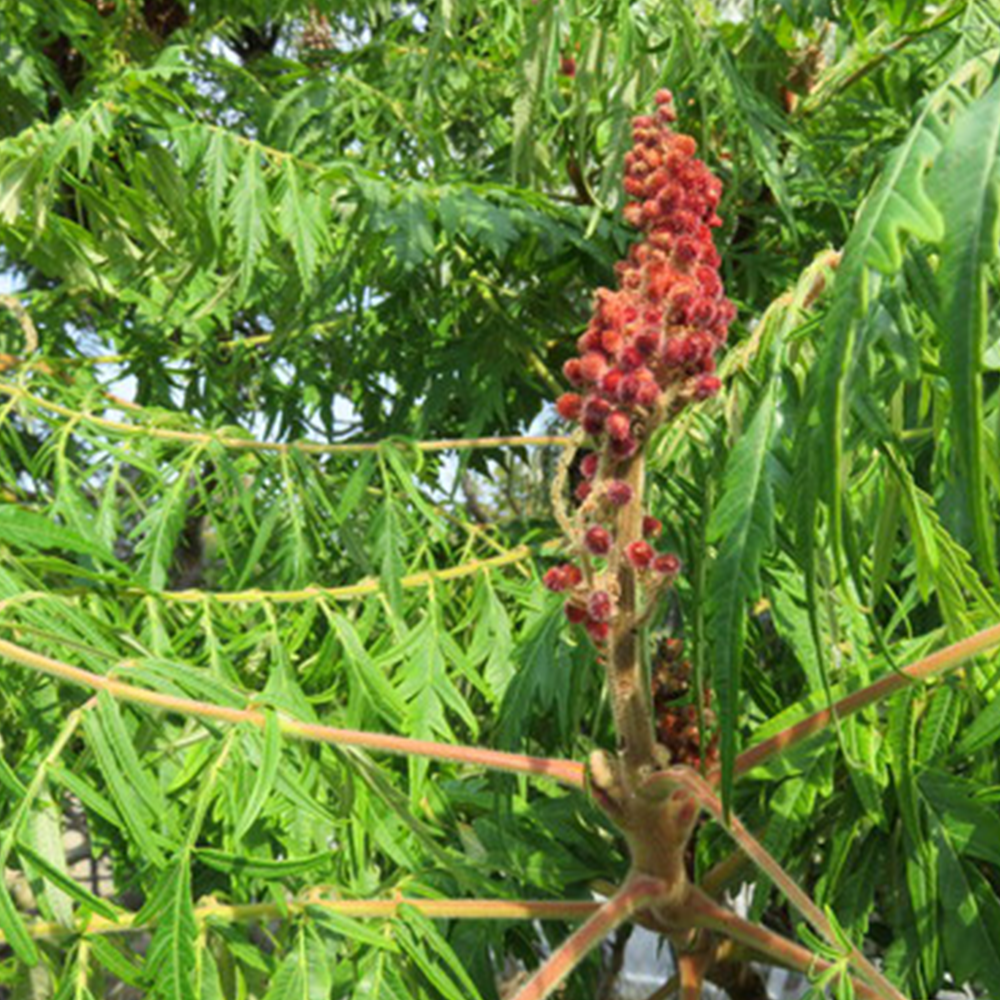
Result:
[{"x": 230, "y": 223}]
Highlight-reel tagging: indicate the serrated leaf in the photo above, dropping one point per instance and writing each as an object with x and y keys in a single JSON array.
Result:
[
  {"x": 304, "y": 973},
  {"x": 36, "y": 531},
  {"x": 973, "y": 828},
  {"x": 66, "y": 883},
  {"x": 971, "y": 944},
  {"x": 265, "y": 868},
  {"x": 13, "y": 928},
  {"x": 248, "y": 213},
  {"x": 742, "y": 527},
  {"x": 897, "y": 204},
  {"x": 264, "y": 782},
  {"x": 966, "y": 185},
  {"x": 300, "y": 221},
  {"x": 361, "y": 932},
  {"x": 170, "y": 960},
  {"x": 130, "y": 807}
]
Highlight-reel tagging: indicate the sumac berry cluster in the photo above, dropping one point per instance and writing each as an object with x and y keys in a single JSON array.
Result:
[
  {"x": 690, "y": 739},
  {"x": 662, "y": 326},
  {"x": 648, "y": 350}
]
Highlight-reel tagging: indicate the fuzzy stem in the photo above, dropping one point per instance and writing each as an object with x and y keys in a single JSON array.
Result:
[
  {"x": 666, "y": 782},
  {"x": 627, "y": 681},
  {"x": 635, "y": 895},
  {"x": 937, "y": 663},
  {"x": 566, "y": 771},
  {"x": 437, "y": 909},
  {"x": 691, "y": 971},
  {"x": 705, "y": 912},
  {"x": 281, "y": 447}
]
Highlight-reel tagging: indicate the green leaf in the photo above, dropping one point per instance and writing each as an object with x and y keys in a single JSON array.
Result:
[
  {"x": 305, "y": 972},
  {"x": 14, "y": 930},
  {"x": 130, "y": 806},
  {"x": 170, "y": 961},
  {"x": 970, "y": 928},
  {"x": 66, "y": 883},
  {"x": 265, "y": 868},
  {"x": 300, "y": 222},
  {"x": 742, "y": 527},
  {"x": 248, "y": 212},
  {"x": 264, "y": 782},
  {"x": 898, "y": 204},
  {"x": 973, "y": 828},
  {"x": 966, "y": 185},
  {"x": 359, "y": 931},
  {"x": 36, "y": 531}
]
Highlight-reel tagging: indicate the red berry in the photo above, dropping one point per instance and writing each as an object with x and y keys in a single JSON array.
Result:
[
  {"x": 619, "y": 493},
  {"x": 611, "y": 381},
  {"x": 555, "y": 579},
  {"x": 618, "y": 425},
  {"x": 648, "y": 393},
  {"x": 624, "y": 449},
  {"x": 640, "y": 554},
  {"x": 651, "y": 526},
  {"x": 599, "y": 606},
  {"x": 598, "y": 631},
  {"x": 574, "y": 576},
  {"x": 588, "y": 465},
  {"x": 572, "y": 372},
  {"x": 597, "y": 540},
  {"x": 707, "y": 385},
  {"x": 668, "y": 564},
  {"x": 595, "y": 412},
  {"x": 569, "y": 405},
  {"x": 576, "y": 613},
  {"x": 583, "y": 490},
  {"x": 592, "y": 366}
]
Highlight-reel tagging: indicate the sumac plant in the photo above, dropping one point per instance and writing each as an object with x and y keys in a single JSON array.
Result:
[{"x": 319, "y": 678}]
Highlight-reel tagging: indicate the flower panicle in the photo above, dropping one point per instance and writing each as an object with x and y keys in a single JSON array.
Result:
[{"x": 648, "y": 350}]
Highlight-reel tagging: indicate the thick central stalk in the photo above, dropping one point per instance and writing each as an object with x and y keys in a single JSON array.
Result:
[{"x": 626, "y": 672}]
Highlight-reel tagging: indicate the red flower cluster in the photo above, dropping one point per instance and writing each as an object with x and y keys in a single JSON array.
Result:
[
  {"x": 677, "y": 725},
  {"x": 661, "y": 328},
  {"x": 649, "y": 347}
]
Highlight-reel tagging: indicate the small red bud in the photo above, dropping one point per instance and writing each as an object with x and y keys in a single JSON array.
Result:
[
  {"x": 593, "y": 365},
  {"x": 567, "y": 66},
  {"x": 647, "y": 393},
  {"x": 569, "y": 405},
  {"x": 597, "y": 540},
  {"x": 595, "y": 412},
  {"x": 651, "y": 526},
  {"x": 707, "y": 385},
  {"x": 618, "y": 425},
  {"x": 583, "y": 490},
  {"x": 555, "y": 579},
  {"x": 611, "y": 381},
  {"x": 624, "y": 449},
  {"x": 667, "y": 564},
  {"x": 619, "y": 493},
  {"x": 576, "y": 613},
  {"x": 599, "y": 606},
  {"x": 640, "y": 554},
  {"x": 574, "y": 576},
  {"x": 572, "y": 372},
  {"x": 588, "y": 465},
  {"x": 598, "y": 631}
]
